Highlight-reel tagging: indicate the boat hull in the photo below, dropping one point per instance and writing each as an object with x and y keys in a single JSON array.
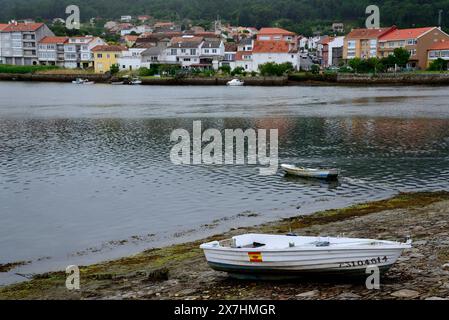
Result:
[
  {"x": 275, "y": 264},
  {"x": 311, "y": 174},
  {"x": 251, "y": 273}
]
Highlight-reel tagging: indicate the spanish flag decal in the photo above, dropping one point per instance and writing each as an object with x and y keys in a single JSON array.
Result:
[{"x": 255, "y": 256}]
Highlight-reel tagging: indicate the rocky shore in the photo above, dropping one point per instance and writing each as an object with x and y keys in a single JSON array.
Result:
[{"x": 181, "y": 272}]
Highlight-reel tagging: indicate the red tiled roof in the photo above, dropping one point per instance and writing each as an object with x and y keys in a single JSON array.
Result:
[
  {"x": 271, "y": 46},
  {"x": 440, "y": 45},
  {"x": 22, "y": 27},
  {"x": 403, "y": 34},
  {"x": 369, "y": 33},
  {"x": 109, "y": 48},
  {"x": 3, "y": 26},
  {"x": 53, "y": 39},
  {"x": 268, "y": 31},
  {"x": 130, "y": 37}
]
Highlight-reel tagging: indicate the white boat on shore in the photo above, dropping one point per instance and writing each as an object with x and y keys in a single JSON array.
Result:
[
  {"x": 283, "y": 256},
  {"x": 235, "y": 83},
  {"x": 310, "y": 172},
  {"x": 82, "y": 81}
]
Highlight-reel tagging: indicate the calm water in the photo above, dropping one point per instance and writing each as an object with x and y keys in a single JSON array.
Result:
[{"x": 85, "y": 173}]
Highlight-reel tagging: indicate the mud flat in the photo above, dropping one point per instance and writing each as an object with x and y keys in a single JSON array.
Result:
[{"x": 181, "y": 272}]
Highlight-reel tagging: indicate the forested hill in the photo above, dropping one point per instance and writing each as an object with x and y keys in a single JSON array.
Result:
[{"x": 297, "y": 15}]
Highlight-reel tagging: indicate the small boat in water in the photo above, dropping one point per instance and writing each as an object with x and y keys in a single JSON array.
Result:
[
  {"x": 82, "y": 81},
  {"x": 328, "y": 174},
  {"x": 135, "y": 81},
  {"x": 235, "y": 83},
  {"x": 263, "y": 256}
]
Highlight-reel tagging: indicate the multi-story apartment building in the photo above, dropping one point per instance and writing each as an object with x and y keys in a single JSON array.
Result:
[
  {"x": 363, "y": 43},
  {"x": 78, "y": 51},
  {"x": 19, "y": 42},
  {"x": 244, "y": 54},
  {"x": 416, "y": 40},
  {"x": 51, "y": 51},
  {"x": 2, "y": 26}
]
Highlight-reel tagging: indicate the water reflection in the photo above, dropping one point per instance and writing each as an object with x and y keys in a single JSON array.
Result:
[{"x": 101, "y": 185}]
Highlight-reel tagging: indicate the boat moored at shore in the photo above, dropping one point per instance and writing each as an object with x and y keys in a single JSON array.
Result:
[{"x": 265, "y": 256}]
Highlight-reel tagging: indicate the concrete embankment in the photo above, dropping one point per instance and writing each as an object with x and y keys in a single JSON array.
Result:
[
  {"x": 217, "y": 81},
  {"x": 181, "y": 272},
  {"x": 371, "y": 79},
  {"x": 294, "y": 79},
  {"x": 100, "y": 78}
]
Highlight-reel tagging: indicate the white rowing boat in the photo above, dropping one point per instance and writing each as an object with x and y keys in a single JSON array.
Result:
[
  {"x": 283, "y": 256},
  {"x": 310, "y": 172}
]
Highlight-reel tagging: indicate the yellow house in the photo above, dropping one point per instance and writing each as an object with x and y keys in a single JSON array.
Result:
[{"x": 106, "y": 56}]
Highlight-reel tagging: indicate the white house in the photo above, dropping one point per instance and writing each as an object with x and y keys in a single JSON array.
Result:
[
  {"x": 185, "y": 50},
  {"x": 274, "y": 51},
  {"x": 244, "y": 54},
  {"x": 212, "y": 52},
  {"x": 131, "y": 59},
  {"x": 335, "y": 45}
]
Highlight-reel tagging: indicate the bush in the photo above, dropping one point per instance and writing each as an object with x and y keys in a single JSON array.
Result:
[
  {"x": 438, "y": 65},
  {"x": 275, "y": 69},
  {"x": 315, "y": 69},
  {"x": 225, "y": 69},
  {"x": 238, "y": 71},
  {"x": 114, "y": 69},
  {"x": 147, "y": 72},
  {"x": 7, "y": 68}
]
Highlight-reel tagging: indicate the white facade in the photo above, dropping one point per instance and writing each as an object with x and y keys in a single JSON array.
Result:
[
  {"x": 78, "y": 51},
  {"x": 337, "y": 42},
  {"x": 186, "y": 56},
  {"x": 132, "y": 59},
  {"x": 261, "y": 58}
]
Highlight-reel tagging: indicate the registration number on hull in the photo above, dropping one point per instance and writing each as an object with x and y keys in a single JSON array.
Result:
[{"x": 361, "y": 263}]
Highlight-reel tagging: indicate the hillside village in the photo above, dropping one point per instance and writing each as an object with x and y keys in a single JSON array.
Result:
[{"x": 144, "y": 43}]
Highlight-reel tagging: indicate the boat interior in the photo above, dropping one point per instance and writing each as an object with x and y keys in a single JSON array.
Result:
[{"x": 263, "y": 241}]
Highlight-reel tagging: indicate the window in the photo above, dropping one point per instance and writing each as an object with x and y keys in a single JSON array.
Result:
[
  {"x": 183, "y": 50},
  {"x": 187, "y": 59},
  {"x": 99, "y": 55},
  {"x": 173, "y": 52},
  {"x": 214, "y": 50},
  {"x": 445, "y": 53},
  {"x": 206, "y": 50},
  {"x": 373, "y": 43},
  {"x": 411, "y": 42},
  {"x": 351, "y": 44},
  {"x": 193, "y": 52},
  {"x": 108, "y": 55}
]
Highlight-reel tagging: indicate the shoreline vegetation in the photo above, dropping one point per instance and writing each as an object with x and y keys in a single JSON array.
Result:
[
  {"x": 181, "y": 272},
  {"x": 300, "y": 78}
]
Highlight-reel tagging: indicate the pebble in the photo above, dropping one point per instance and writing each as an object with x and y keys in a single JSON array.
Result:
[
  {"x": 405, "y": 293},
  {"x": 308, "y": 294},
  {"x": 348, "y": 296},
  {"x": 435, "y": 298}
]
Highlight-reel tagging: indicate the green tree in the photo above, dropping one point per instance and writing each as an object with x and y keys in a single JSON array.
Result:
[{"x": 402, "y": 56}]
